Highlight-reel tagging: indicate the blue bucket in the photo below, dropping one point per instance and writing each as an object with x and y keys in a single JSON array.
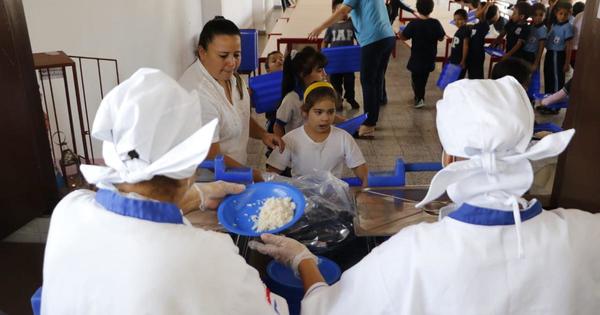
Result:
[
  {"x": 450, "y": 73},
  {"x": 343, "y": 59},
  {"x": 352, "y": 125},
  {"x": 266, "y": 91},
  {"x": 282, "y": 281},
  {"x": 249, "y": 41}
]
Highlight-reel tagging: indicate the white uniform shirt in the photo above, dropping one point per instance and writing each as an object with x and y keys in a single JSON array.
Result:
[
  {"x": 290, "y": 112},
  {"x": 100, "y": 262},
  {"x": 234, "y": 120},
  {"x": 304, "y": 156},
  {"x": 453, "y": 267}
]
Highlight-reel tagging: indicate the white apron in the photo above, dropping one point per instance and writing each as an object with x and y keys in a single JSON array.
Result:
[
  {"x": 110, "y": 254},
  {"x": 233, "y": 129},
  {"x": 468, "y": 263}
]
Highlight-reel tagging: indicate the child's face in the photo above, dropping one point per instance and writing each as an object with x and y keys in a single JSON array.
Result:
[
  {"x": 318, "y": 74},
  {"x": 562, "y": 15},
  {"x": 516, "y": 16},
  {"x": 459, "y": 21},
  {"x": 321, "y": 115},
  {"x": 275, "y": 62},
  {"x": 538, "y": 17}
]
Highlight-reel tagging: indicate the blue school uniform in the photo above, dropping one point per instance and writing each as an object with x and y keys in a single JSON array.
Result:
[{"x": 556, "y": 42}]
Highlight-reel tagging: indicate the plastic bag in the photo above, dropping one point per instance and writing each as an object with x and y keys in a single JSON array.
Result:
[{"x": 328, "y": 217}]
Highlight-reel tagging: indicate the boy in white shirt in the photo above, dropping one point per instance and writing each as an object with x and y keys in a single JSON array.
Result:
[{"x": 318, "y": 145}]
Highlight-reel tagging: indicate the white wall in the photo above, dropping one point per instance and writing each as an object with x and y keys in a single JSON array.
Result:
[{"x": 238, "y": 11}]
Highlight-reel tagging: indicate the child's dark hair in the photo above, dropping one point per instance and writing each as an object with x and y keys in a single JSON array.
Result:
[
  {"x": 425, "y": 7},
  {"x": 317, "y": 95},
  {"x": 562, "y": 5},
  {"x": 303, "y": 63},
  {"x": 462, "y": 13},
  {"x": 537, "y": 7},
  {"x": 334, "y": 3},
  {"x": 269, "y": 56},
  {"x": 217, "y": 26},
  {"x": 578, "y": 7},
  {"x": 491, "y": 12},
  {"x": 514, "y": 67},
  {"x": 524, "y": 8}
]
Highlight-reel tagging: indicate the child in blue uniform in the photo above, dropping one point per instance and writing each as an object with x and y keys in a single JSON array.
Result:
[
  {"x": 558, "y": 49},
  {"x": 534, "y": 47}
]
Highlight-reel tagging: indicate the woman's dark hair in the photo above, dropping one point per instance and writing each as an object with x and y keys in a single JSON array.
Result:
[
  {"x": 317, "y": 95},
  {"x": 425, "y": 7},
  {"x": 462, "y": 13},
  {"x": 514, "y": 67},
  {"x": 578, "y": 7},
  {"x": 303, "y": 63},
  {"x": 217, "y": 26},
  {"x": 491, "y": 12}
]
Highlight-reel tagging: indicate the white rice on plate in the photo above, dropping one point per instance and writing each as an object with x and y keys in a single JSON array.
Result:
[{"x": 274, "y": 213}]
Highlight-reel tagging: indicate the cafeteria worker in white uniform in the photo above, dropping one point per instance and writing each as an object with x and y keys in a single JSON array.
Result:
[
  {"x": 126, "y": 249},
  {"x": 491, "y": 252},
  {"x": 224, "y": 95}
]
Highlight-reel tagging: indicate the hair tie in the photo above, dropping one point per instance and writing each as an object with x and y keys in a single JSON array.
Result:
[{"x": 316, "y": 85}]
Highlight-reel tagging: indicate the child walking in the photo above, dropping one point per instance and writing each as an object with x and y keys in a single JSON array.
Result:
[
  {"x": 318, "y": 145},
  {"x": 424, "y": 33}
]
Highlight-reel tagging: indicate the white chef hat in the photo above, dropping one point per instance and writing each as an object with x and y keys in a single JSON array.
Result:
[
  {"x": 149, "y": 126},
  {"x": 490, "y": 123}
]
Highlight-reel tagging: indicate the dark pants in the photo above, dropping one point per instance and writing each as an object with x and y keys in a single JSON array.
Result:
[
  {"x": 419, "y": 82},
  {"x": 475, "y": 69},
  {"x": 554, "y": 76},
  {"x": 343, "y": 84},
  {"x": 374, "y": 59}
]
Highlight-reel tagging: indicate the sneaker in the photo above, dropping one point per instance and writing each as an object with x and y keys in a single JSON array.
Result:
[
  {"x": 353, "y": 103},
  {"x": 420, "y": 103}
]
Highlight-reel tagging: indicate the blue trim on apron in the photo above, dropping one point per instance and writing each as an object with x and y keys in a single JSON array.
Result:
[
  {"x": 161, "y": 212},
  {"x": 483, "y": 216}
]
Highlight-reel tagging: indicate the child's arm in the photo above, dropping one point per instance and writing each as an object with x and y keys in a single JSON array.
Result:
[
  {"x": 339, "y": 118},
  {"x": 568, "y": 50},
  {"x": 538, "y": 56},
  {"x": 362, "y": 172},
  {"x": 515, "y": 48},
  {"x": 465, "y": 53}
]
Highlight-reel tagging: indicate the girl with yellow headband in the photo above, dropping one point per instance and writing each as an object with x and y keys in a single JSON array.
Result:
[{"x": 317, "y": 145}]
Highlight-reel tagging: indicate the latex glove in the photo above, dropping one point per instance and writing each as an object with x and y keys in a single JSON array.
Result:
[
  {"x": 283, "y": 249},
  {"x": 212, "y": 193}
]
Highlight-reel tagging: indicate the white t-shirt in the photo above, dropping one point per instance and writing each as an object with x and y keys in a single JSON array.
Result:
[
  {"x": 234, "y": 121},
  {"x": 290, "y": 111},
  {"x": 303, "y": 155}
]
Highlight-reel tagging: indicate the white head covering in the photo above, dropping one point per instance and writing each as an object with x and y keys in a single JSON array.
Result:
[
  {"x": 149, "y": 126},
  {"x": 490, "y": 123}
]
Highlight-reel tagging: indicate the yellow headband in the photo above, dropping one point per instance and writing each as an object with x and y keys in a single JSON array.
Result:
[{"x": 315, "y": 85}]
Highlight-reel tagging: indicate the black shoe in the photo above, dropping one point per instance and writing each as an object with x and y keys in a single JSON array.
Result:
[{"x": 353, "y": 103}]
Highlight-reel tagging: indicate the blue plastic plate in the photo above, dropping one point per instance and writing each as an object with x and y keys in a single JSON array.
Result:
[
  {"x": 236, "y": 211},
  {"x": 494, "y": 52}
]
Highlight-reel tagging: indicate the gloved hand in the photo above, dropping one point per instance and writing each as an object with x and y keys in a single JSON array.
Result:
[
  {"x": 211, "y": 194},
  {"x": 283, "y": 249}
]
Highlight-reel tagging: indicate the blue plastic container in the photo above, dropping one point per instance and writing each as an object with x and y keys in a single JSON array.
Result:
[
  {"x": 534, "y": 86},
  {"x": 266, "y": 91},
  {"x": 352, "y": 125},
  {"x": 236, "y": 211},
  {"x": 494, "y": 52},
  {"x": 249, "y": 38},
  {"x": 36, "y": 301},
  {"x": 546, "y": 127},
  {"x": 343, "y": 59},
  {"x": 282, "y": 281},
  {"x": 450, "y": 73}
]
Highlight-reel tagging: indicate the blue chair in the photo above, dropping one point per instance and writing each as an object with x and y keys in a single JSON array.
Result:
[
  {"x": 343, "y": 59},
  {"x": 36, "y": 301},
  {"x": 266, "y": 91},
  {"x": 241, "y": 175},
  {"x": 352, "y": 125},
  {"x": 397, "y": 177},
  {"x": 450, "y": 73},
  {"x": 249, "y": 41}
]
